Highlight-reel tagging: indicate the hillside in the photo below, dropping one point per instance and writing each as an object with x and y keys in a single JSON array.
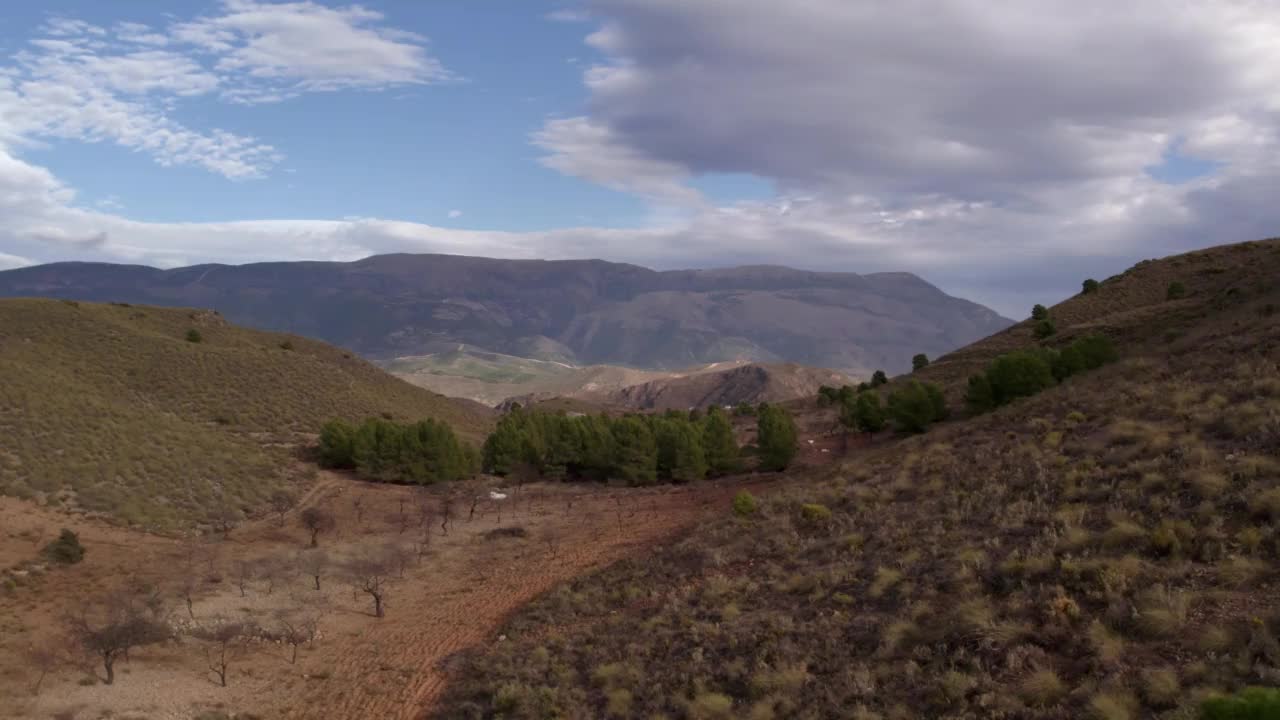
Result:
[
  {"x": 110, "y": 408},
  {"x": 1108, "y": 548},
  {"x": 582, "y": 312}
]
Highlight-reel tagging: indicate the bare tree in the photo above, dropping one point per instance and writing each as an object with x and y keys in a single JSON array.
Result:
[
  {"x": 397, "y": 556},
  {"x": 108, "y": 627},
  {"x": 446, "y": 514},
  {"x": 245, "y": 572},
  {"x": 297, "y": 628},
  {"x": 281, "y": 502},
  {"x": 422, "y": 545},
  {"x": 553, "y": 538},
  {"x": 227, "y": 640},
  {"x": 316, "y": 521},
  {"x": 357, "y": 504},
  {"x": 226, "y": 519},
  {"x": 44, "y": 659},
  {"x": 188, "y": 586},
  {"x": 371, "y": 574},
  {"x": 314, "y": 564},
  {"x": 270, "y": 570}
]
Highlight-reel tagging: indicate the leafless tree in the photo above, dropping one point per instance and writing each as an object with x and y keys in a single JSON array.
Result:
[
  {"x": 313, "y": 563},
  {"x": 553, "y": 538},
  {"x": 397, "y": 556},
  {"x": 316, "y": 521},
  {"x": 226, "y": 641},
  {"x": 422, "y": 545},
  {"x": 281, "y": 502},
  {"x": 357, "y": 504},
  {"x": 297, "y": 628},
  {"x": 245, "y": 572},
  {"x": 44, "y": 659},
  {"x": 108, "y": 627},
  {"x": 226, "y": 520},
  {"x": 446, "y": 514},
  {"x": 188, "y": 586},
  {"x": 270, "y": 570},
  {"x": 370, "y": 573}
]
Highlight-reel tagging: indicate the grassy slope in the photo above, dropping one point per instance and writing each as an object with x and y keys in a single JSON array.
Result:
[
  {"x": 1106, "y": 549},
  {"x": 110, "y": 409}
]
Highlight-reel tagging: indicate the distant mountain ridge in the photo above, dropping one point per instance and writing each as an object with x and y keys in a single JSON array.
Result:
[{"x": 579, "y": 311}]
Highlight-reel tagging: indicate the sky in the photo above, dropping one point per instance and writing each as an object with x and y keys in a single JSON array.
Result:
[{"x": 1002, "y": 149}]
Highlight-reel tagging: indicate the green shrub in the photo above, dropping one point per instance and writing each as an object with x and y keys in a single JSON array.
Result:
[
  {"x": 919, "y": 362},
  {"x": 1089, "y": 286},
  {"x": 917, "y": 406},
  {"x": 1045, "y": 328},
  {"x": 1039, "y": 312},
  {"x": 66, "y": 550},
  {"x": 878, "y": 378},
  {"x": 864, "y": 414},
  {"x": 1176, "y": 291},
  {"x": 1251, "y": 704},
  {"x": 815, "y": 514},
  {"x": 194, "y": 336},
  {"x": 744, "y": 504}
]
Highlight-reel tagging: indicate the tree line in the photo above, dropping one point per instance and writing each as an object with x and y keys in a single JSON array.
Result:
[
  {"x": 910, "y": 408},
  {"x": 1026, "y": 372},
  {"x": 639, "y": 449},
  {"x": 419, "y": 453}
]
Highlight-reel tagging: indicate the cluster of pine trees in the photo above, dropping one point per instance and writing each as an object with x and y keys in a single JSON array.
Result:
[
  {"x": 639, "y": 449},
  {"x": 912, "y": 407},
  {"x": 418, "y": 453},
  {"x": 1027, "y": 372}
]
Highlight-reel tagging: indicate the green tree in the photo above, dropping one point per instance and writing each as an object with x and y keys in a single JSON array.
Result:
[
  {"x": 979, "y": 397},
  {"x": 915, "y": 406},
  {"x": 776, "y": 438},
  {"x": 680, "y": 454},
  {"x": 636, "y": 454},
  {"x": 65, "y": 550},
  {"x": 1018, "y": 374},
  {"x": 1045, "y": 328},
  {"x": 336, "y": 437},
  {"x": 194, "y": 336},
  {"x": 865, "y": 414},
  {"x": 878, "y": 378},
  {"x": 919, "y": 362},
  {"x": 722, "y": 452},
  {"x": 1039, "y": 312},
  {"x": 1089, "y": 286}
]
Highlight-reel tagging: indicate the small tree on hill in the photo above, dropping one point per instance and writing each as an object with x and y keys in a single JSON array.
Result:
[
  {"x": 868, "y": 414},
  {"x": 722, "y": 452},
  {"x": 281, "y": 502},
  {"x": 370, "y": 574},
  {"x": 916, "y": 406},
  {"x": 108, "y": 628},
  {"x": 1039, "y": 312},
  {"x": 878, "y": 378},
  {"x": 1176, "y": 290},
  {"x": 1044, "y": 328},
  {"x": 919, "y": 362},
  {"x": 314, "y": 564},
  {"x": 316, "y": 521},
  {"x": 776, "y": 438},
  {"x": 979, "y": 397},
  {"x": 1089, "y": 286}
]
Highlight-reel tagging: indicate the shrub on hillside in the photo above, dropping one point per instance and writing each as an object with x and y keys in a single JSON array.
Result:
[
  {"x": 864, "y": 414},
  {"x": 194, "y": 336},
  {"x": 744, "y": 504},
  {"x": 1089, "y": 286},
  {"x": 1251, "y": 704},
  {"x": 878, "y": 378},
  {"x": 1176, "y": 290},
  {"x": 916, "y": 406},
  {"x": 1039, "y": 312},
  {"x": 1045, "y": 328},
  {"x": 919, "y": 362},
  {"x": 65, "y": 550}
]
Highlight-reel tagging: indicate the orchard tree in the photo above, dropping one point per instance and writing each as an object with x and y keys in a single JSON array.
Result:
[{"x": 316, "y": 521}]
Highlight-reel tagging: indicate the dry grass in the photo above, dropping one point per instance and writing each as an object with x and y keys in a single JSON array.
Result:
[
  {"x": 1104, "y": 549},
  {"x": 111, "y": 409}
]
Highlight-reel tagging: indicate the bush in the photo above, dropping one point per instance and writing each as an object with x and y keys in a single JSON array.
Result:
[
  {"x": 878, "y": 378},
  {"x": 815, "y": 514},
  {"x": 1251, "y": 704},
  {"x": 919, "y": 362},
  {"x": 1089, "y": 286},
  {"x": 1039, "y": 312},
  {"x": 1045, "y": 328},
  {"x": 916, "y": 406},
  {"x": 286, "y": 345},
  {"x": 66, "y": 550},
  {"x": 194, "y": 336},
  {"x": 1176, "y": 291},
  {"x": 864, "y": 414},
  {"x": 744, "y": 504}
]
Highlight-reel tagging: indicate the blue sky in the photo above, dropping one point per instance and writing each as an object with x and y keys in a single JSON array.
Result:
[{"x": 1002, "y": 164}]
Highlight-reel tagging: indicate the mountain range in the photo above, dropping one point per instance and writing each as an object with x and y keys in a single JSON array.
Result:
[{"x": 580, "y": 312}]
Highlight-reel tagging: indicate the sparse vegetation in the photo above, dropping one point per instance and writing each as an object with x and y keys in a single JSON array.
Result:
[
  {"x": 66, "y": 549},
  {"x": 1176, "y": 291}
]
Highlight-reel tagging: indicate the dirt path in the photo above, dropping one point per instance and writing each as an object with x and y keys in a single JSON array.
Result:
[{"x": 362, "y": 667}]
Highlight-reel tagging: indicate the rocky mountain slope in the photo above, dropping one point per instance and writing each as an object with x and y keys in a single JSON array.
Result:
[
  {"x": 1108, "y": 548},
  {"x": 160, "y": 416},
  {"x": 583, "y": 312}
]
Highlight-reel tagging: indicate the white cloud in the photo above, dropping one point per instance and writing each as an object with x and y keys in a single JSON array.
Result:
[
  {"x": 454, "y": 214},
  {"x": 9, "y": 262}
]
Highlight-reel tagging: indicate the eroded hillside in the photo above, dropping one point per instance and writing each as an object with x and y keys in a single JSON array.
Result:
[{"x": 1108, "y": 548}]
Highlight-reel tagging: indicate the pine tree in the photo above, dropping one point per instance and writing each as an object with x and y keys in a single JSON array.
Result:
[
  {"x": 636, "y": 455},
  {"x": 722, "y": 453},
  {"x": 776, "y": 438}
]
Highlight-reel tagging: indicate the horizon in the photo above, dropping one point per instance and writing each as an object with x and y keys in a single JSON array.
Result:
[{"x": 1003, "y": 165}]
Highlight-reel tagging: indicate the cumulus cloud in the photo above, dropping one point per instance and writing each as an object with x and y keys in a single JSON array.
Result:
[{"x": 453, "y": 214}]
